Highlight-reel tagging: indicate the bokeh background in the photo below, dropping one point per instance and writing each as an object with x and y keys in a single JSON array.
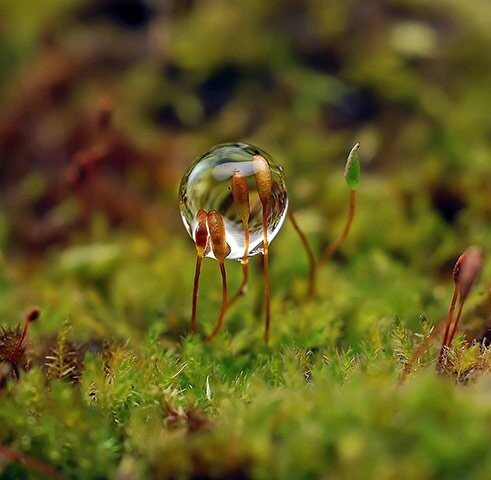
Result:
[{"x": 104, "y": 104}]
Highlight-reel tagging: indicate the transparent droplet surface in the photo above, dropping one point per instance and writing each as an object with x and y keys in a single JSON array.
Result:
[{"x": 208, "y": 185}]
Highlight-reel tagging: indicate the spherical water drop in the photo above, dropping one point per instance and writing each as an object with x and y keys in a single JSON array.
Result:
[{"x": 207, "y": 185}]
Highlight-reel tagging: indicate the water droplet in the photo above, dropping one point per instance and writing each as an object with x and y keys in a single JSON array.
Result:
[{"x": 207, "y": 184}]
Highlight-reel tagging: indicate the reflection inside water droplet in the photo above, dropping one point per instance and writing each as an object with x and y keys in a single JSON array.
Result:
[{"x": 207, "y": 185}]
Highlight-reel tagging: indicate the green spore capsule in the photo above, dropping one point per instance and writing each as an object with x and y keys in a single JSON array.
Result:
[{"x": 352, "y": 170}]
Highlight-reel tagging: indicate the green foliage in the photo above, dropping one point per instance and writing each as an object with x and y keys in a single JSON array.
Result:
[{"x": 221, "y": 411}]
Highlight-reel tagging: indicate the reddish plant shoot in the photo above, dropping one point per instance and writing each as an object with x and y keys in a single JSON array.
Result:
[{"x": 31, "y": 316}]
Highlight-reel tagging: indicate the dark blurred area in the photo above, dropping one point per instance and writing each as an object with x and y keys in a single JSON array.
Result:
[{"x": 104, "y": 103}]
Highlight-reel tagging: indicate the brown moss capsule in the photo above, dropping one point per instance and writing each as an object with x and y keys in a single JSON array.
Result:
[
  {"x": 240, "y": 193},
  {"x": 467, "y": 269},
  {"x": 33, "y": 314},
  {"x": 216, "y": 227},
  {"x": 201, "y": 233},
  {"x": 264, "y": 179}
]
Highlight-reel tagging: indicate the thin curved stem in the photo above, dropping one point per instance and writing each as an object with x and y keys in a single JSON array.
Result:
[
  {"x": 30, "y": 462},
  {"x": 441, "y": 355},
  {"x": 197, "y": 271},
  {"x": 245, "y": 268},
  {"x": 450, "y": 317},
  {"x": 223, "y": 308},
  {"x": 457, "y": 321},
  {"x": 267, "y": 287},
  {"x": 310, "y": 254},
  {"x": 332, "y": 247}
]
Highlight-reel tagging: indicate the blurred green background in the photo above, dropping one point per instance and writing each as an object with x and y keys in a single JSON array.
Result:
[
  {"x": 302, "y": 79},
  {"x": 105, "y": 103}
]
